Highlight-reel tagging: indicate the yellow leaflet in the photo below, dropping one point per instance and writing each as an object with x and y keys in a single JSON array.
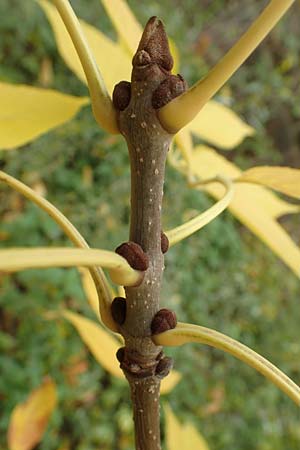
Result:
[
  {"x": 90, "y": 290},
  {"x": 27, "y": 112},
  {"x": 101, "y": 344},
  {"x": 104, "y": 346},
  {"x": 113, "y": 62},
  {"x": 282, "y": 179},
  {"x": 29, "y": 419},
  {"x": 219, "y": 126},
  {"x": 182, "y": 437},
  {"x": 183, "y": 109},
  {"x": 213, "y": 164},
  {"x": 120, "y": 14},
  {"x": 254, "y": 206}
]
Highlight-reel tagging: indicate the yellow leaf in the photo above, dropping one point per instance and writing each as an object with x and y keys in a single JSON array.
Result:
[
  {"x": 29, "y": 419},
  {"x": 220, "y": 126},
  {"x": 120, "y": 13},
  {"x": 101, "y": 344},
  {"x": 114, "y": 63},
  {"x": 283, "y": 179},
  {"x": 250, "y": 205},
  {"x": 104, "y": 346},
  {"x": 170, "y": 382},
  {"x": 27, "y": 112},
  {"x": 90, "y": 290},
  {"x": 182, "y": 437}
]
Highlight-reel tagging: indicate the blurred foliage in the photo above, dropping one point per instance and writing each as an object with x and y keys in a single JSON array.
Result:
[{"x": 221, "y": 277}]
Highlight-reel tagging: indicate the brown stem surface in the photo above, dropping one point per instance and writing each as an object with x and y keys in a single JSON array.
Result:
[{"x": 148, "y": 144}]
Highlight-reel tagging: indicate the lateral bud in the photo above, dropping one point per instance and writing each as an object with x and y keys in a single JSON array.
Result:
[
  {"x": 118, "y": 310},
  {"x": 170, "y": 88},
  {"x": 134, "y": 255},
  {"x": 121, "y": 95},
  {"x": 120, "y": 355},
  {"x": 164, "y": 320},
  {"x": 164, "y": 242},
  {"x": 164, "y": 367}
]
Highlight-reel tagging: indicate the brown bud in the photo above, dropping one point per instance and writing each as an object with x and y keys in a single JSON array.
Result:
[
  {"x": 120, "y": 354},
  {"x": 164, "y": 367},
  {"x": 155, "y": 42},
  {"x": 121, "y": 95},
  {"x": 118, "y": 310},
  {"x": 170, "y": 88},
  {"x": 164, "y": 320},
  {"x": 134, "y": 255},
  {"x": 141, "y": 58},
  {"x": 164, "y": 242}
]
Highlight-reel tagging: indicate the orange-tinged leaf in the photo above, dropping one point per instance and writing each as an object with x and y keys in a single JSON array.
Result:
[
  {"x": 27, "y": 112},
  {"x": 219, "y": 126},
  {"x": 250, "y": 205},
  {"x": 29, "y": 419},
  {"x": 283, "y": 179},
  {"x": 114, "y": 63},
  {"x": 104, "y": 346},
  {"x": 182, "y": 437}
]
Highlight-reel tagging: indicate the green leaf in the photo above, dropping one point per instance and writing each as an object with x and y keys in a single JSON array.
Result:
[{"x": 27, "y": 112}]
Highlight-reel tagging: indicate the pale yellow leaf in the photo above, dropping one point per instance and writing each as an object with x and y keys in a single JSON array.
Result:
[
  {"x": 250, "y": 205},
  {"x": 27, "y": 112},
  {"x": 219, "y": 126},
  {"x": 182, "y": 437},
  {"x": 90, "y": 290},
  {"x": 120, "y": 13},
  {"x": 104, "y": 346},
  {"x": 114, "y": 63},
  {"x": 170, "y": 382},
  {"x": 29, "y": 420},
  {"x": 272, "y": 204},
  {"x": 101, "y": 344},
  {"x": 283, "y": 179}
]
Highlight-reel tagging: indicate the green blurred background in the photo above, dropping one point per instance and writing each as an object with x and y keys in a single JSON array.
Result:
[{"x": 222, "y": 277}]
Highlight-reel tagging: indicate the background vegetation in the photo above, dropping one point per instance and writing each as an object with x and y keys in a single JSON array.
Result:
[{"x": 222, "y": 277}]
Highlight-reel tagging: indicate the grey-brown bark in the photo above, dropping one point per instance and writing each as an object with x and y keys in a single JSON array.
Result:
[{"x": 143, "y": 362}]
